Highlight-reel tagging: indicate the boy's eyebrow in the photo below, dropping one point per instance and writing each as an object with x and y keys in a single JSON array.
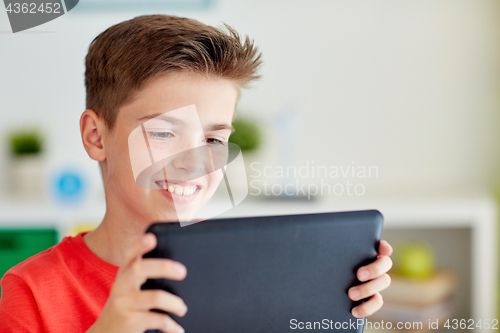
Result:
[
  {"x": 176, "y": 121},
  {"x": 162, "y": 116},
  {"x": 218, "y": 127}
]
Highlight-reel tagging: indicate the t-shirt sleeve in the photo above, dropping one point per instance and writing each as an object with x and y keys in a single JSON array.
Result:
[{"x": 18, "y": 310}]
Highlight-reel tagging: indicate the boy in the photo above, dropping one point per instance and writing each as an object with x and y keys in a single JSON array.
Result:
[{"x": 138, "y": 70}]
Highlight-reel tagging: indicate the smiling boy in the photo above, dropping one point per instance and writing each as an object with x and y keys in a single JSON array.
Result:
[{"x": 138, "y": 72}]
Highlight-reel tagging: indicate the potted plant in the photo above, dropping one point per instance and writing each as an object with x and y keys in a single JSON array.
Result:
[
  {"x": 26, "y": 164},
  {"x": 248, "y": 137}
]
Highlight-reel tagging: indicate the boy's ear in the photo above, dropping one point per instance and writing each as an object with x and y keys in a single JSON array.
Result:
[{"x": 91, "y": 129}]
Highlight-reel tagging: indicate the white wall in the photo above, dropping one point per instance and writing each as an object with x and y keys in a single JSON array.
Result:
[{"x": 409, "y": 86}]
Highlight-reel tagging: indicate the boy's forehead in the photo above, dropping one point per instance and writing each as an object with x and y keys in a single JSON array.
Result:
[{"x": 212, "y": 99}]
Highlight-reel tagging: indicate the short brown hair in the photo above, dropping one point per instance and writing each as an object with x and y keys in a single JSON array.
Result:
[{"x": 122, "y": 59}]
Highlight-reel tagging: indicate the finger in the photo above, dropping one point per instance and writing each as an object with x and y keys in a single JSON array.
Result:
[
  {"x": 172, "y": 327},
  {"x": 163, "y": 268},
  {"x": 384, "y": 248},
  {"x": 369, "y": 307},
  {"x": 152, "y": 268},
  {"x": 369, "y": 288},
  {"x": 149, "y": 320},
  {"x": 377, "y": 268},
  {"x": 143, "y": 245},
  {"x": 161, "y": 300}
]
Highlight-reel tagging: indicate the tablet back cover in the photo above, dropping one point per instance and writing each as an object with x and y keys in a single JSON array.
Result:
[{"x": 271, "y": 273}]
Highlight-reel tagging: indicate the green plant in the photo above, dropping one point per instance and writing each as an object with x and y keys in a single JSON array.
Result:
[
  {"x": 24, "y": 142},
  {"x": 246, "y": 134}
]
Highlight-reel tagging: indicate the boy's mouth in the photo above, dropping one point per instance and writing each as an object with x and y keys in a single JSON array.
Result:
[{"x": 184, "y": 190}]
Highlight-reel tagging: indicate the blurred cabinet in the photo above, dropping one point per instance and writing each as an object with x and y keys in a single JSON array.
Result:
[{"x": 453, "y": 250}]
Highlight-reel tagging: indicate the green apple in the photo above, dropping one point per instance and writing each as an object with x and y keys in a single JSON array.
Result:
[{"x": 415, "y": 260}]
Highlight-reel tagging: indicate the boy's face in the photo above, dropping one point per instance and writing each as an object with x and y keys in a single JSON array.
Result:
[{"x": 181, "y": 117}]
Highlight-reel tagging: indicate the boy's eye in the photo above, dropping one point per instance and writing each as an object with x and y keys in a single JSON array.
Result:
[
  {"x": 214, "y": 142},
  {"x": 160, "y": 135}
]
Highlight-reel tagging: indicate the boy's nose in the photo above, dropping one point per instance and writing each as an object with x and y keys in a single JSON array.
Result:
[{"x": 194, "y": 161}]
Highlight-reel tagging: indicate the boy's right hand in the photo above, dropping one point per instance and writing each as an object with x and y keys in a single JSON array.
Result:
[{"x": 127, "y": 309}]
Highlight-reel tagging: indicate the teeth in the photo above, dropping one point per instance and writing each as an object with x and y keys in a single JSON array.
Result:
[
  {"x": 188, "y": 190},
  {"x": 179, "y": 190}
]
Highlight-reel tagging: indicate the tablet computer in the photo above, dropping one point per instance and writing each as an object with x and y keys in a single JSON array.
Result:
[{"x": 269, "y": 273}]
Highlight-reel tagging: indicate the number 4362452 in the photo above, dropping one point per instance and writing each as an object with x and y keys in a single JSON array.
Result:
[
  {"x": 33, "y": 8},
  {"x": 470, "y": 324}
]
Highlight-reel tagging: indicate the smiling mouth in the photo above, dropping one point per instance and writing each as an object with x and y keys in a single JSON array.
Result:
[{"x": 185, "y": 190}]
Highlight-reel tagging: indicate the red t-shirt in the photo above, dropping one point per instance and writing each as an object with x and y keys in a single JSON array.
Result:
[{"x": 60, "y": 290}]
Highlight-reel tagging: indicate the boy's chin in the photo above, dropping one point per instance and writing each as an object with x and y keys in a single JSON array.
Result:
[{"x": 178, "y": 216}]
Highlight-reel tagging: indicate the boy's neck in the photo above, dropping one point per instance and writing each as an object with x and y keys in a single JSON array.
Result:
[{"x": 112, "y": 237}]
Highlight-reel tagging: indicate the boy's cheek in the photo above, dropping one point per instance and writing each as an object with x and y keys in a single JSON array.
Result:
[
  {"x": 137, "y": 152},
  {"x": 214, "y": 180}
]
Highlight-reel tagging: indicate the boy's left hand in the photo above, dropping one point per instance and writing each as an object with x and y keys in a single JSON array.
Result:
[{"x": 375, "y": 279}]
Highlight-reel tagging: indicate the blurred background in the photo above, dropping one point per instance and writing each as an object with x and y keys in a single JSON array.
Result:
[{"x": 386, "y": 104}]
